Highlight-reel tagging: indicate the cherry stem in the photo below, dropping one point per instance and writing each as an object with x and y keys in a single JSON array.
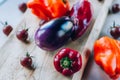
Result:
[
  {"x": 6, "y": 23},
  {"x": 27, "y": 29},
  {"x": 27, "y": 54},
  {"x": 114, "y": 24}
]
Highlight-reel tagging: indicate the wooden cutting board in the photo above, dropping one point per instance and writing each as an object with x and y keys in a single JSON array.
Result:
[{"x": 13, "y": 50}]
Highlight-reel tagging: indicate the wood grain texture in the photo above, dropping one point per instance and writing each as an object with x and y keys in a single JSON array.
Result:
[
  {"x": 13, "y": 50},
  {"x": 93, "y": 36}
]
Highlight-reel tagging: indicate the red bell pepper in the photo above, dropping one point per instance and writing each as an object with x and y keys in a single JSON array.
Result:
[
  {"x": 82, "y": 14},
  {"x": 67, "y": 61},
  {"x": 107, "y": 56},
  {"x": 49, "y": 9}
]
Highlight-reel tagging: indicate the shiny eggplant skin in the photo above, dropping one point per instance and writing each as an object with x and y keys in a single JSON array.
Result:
[{"x": 54, "y": 34}]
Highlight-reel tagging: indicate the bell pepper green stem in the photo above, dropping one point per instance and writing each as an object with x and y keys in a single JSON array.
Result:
[{"x": 66, "y": 62}]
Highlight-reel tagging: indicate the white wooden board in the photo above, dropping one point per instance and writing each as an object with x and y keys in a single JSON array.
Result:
[{"x": 13, "y": 50}]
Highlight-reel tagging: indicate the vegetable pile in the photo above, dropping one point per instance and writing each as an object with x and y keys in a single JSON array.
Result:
[{"x": 61, "y": 23}]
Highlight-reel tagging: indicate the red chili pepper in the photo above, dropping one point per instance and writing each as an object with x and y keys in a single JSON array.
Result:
[
  {"x": 49, "y": 9},
  {"x": 67, "y": 61},
  {"x": 107, "y": 56}
]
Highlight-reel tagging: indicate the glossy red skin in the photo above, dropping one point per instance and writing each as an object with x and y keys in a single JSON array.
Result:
[
  {"x": 71, "y": 54},
  {"x": 26, "y": 62},
  {"x": 22, "y": 35},
  {"x": 22, "y": 7},
  {"x": 115, "y": 32},
  {"x": 81, "y": 14},
  {"x": 7, "y": 30},
  {"x": 115, "y": 8}
]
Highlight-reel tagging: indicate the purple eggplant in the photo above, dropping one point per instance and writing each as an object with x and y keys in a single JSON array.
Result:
[
  {"x": 54, "y": 34},
  {"x": 81, "y": 14}
]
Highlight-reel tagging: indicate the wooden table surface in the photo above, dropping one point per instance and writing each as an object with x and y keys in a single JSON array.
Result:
[{"x": 13, "y": 50}]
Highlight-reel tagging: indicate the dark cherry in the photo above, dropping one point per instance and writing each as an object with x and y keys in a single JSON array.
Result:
[
  {"x": 22, "y": 35},
  {"x": 7, "y": 28},
  {"x": 26, "y": 61},
  {"x": 22, "y": 7},
  {"x": 115, "y": 31},
  {"x": 100, "y": 0},
  {"x": 115, "y": 8}
]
